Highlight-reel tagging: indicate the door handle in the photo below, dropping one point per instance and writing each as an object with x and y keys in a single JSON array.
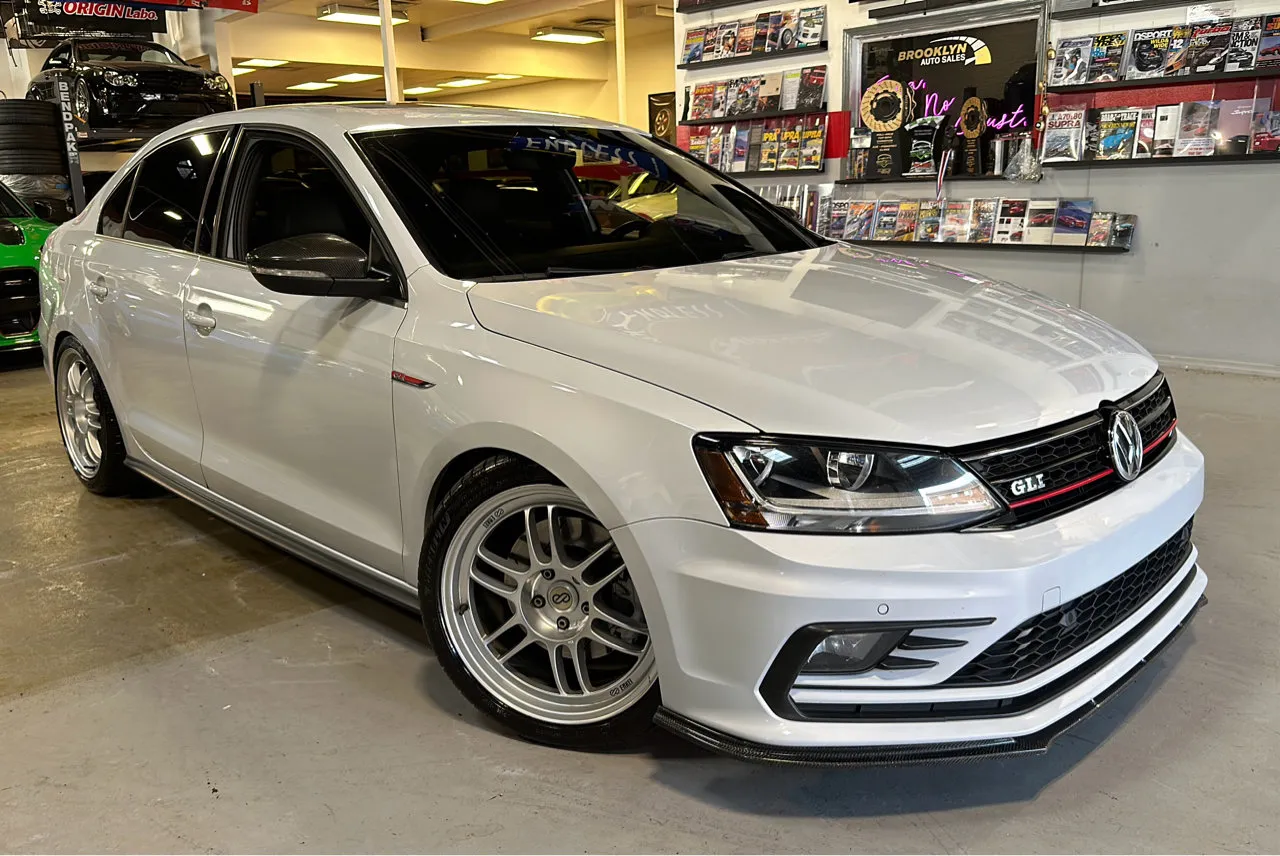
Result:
[
  {"x": 98, "y": 288},
  {"x": 201, "y": 318}
]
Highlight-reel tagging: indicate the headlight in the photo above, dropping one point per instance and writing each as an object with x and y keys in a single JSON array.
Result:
[
  {"x": 115, "y": 78},
  {"x": 218, "y": 83},
  {"x": 802, "y": 486}
]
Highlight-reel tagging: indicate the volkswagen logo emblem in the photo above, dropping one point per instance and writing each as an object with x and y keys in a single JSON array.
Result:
[{"x": 1125, "y": 442}]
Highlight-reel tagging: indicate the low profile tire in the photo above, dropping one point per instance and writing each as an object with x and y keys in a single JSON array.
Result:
[
  {"x": 532, "y": 613},
  {"x": 90, "y": 432}
]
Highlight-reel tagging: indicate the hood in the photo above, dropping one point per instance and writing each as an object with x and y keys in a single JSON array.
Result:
[{"x": 838, "y": 342}]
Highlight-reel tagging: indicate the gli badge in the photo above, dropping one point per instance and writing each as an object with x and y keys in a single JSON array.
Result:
[{"x": 1030, "y": 484}]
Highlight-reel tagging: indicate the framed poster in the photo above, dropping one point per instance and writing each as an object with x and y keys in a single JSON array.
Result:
[{"x": 936, "y": 93}]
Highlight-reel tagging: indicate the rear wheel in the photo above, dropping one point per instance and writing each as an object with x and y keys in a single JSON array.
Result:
[
  {"x": 88, "y": 422},
  {"x": 532, "y": 612}
]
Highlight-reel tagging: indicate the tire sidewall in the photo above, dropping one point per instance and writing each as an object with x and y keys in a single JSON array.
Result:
[{"x": 628, "y": 729}]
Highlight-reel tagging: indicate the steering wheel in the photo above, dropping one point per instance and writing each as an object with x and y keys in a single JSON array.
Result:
[{"x": 639, "y": 225}]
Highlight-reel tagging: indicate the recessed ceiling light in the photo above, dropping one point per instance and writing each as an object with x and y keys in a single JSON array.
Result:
[
  {"x": 568, "y": 37},
  {"x": 459, "y": 82},
  {"x": 504, "y": 76},
  {"x": 264, "y": 63},
  {"x": 421, "y": 90},
  {"x": 311, "y": 86},
  {"x": 354, "y": 77},
  {"x": 341, "y": 14},
  {"x": 236, "y": 72}
]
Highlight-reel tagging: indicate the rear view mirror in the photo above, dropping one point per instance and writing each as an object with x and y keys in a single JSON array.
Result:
[{"x": 319, "y": 265}]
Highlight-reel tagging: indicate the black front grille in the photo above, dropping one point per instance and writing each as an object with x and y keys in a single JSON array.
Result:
[
  {"x": 19, "y": 301},
  {"x": 1051, "y": 471},
  {"x": 1053, "y": 636}
]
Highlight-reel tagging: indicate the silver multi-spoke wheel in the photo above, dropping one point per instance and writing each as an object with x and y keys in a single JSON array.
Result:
[
  {"x": 541, "y": 609},
  {"x": 78, "y": 413}
]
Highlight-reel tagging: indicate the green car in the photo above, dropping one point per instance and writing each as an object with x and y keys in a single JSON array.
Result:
[{"x": 22, "y": 234}]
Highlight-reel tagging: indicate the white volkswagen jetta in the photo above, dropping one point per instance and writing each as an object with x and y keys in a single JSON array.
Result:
[{"x": 792, "y": 499}]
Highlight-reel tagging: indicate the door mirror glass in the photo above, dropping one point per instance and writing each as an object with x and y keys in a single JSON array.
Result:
[{"x": 319, "y": 264}]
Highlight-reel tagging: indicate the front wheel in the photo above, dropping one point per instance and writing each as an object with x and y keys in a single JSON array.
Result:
[{"x": 532, "y": 612}]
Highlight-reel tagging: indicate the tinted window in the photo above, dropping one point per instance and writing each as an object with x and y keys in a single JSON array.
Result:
[
  {"x": 111, "y": 222},
  {"x": 60, "y": 58},
  {"x": 539, "y": 202},
  {"x": 165, "y": 207},
  {"x": 287, "y": 189},
  {"x": 126, "y": 52}
]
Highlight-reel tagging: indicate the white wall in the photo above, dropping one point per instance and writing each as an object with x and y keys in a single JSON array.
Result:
[{"x": 1201, "y": 285}]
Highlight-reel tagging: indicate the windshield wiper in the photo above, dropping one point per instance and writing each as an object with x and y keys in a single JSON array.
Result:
[{"x": 561, "y": 270}]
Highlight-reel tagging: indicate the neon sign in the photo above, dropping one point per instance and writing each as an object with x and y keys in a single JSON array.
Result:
[{"x": 936, "y": 106}]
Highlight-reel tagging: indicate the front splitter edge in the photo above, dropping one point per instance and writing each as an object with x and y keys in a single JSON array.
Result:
[{"x": 884, "y": 756}]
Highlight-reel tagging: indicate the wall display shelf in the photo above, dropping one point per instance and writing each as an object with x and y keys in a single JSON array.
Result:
[
  {"x": 746, "y": 117},
  {"x": 1266, "y": 157},
  {"x": 918, "y": 179},
  {"x": 1214, "y": 77},
  {"x": 1035, "y": 248},
  {"x": 764, "y": 57},
  {"x": 712, "y": 5},
  {"x": 776, "y": 173},
  {"x": 915, "y": 7},
  {"x": 1117, "y": 9}
]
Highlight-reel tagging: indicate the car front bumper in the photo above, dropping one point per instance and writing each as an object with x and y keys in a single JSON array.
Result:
[{"x": 728, "y": 600}]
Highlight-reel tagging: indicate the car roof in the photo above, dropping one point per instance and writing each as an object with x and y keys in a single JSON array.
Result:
[{"x": 362, "y": 116}]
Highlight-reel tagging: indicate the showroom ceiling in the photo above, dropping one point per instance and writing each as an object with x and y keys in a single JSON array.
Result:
[{"x": 278, "y": 80}]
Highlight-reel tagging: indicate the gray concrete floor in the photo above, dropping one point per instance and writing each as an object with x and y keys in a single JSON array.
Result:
[{"x": 169, "y": 684}]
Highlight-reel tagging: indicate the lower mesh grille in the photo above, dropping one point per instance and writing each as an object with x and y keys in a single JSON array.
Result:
[
  {"x": 19, "y": 301},
  {"x": 1053, "y": 636}
]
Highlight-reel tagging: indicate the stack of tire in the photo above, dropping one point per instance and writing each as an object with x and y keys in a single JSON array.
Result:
[{"x": 33, "y": 157}]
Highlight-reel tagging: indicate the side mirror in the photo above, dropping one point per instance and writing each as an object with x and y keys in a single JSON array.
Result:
[
  {"x": 45, "y": 210},
  {"x": 318, "y": 265}
]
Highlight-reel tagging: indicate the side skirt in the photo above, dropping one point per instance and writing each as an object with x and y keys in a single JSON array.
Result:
[{"x": 313, "y": 552}]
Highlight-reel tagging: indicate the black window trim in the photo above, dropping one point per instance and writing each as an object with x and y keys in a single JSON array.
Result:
[{"x": 229, "y": 195}]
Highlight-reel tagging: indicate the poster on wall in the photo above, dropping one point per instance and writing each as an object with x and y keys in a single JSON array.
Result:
[
  {"x": 45, "y": 23},
  {"x": 959, "y": 89},
  {"x": 662, "y": 116}
]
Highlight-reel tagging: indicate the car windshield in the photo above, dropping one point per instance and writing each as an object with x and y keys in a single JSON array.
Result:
[
  {"x": 9, "y": 204},
  {"x": 125, "y": 52},
  {"x": 516, "y": 203}
]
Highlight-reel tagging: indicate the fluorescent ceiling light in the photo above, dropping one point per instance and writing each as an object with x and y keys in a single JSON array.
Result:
[
  {"x": 354, "y": 77},
  {"x": 459, "y": 82},
  {"x": 202, "y": 144},
  {"x": 236, "y": 72},
  {"x": 504, "y": 76},
  {"x": 421, "y": 90},
  {"x": 264, "y": 63},
  {"x": 569, "y": 37},
  {"x": 341, "y": 14},
  {"x": 311, "y": 86}
]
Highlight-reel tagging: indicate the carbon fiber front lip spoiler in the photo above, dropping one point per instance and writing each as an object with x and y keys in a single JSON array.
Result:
[{"x": 886, "y": 756}]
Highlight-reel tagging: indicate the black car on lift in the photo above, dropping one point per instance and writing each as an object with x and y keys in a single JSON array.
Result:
[{"x": 122, "y": 89}]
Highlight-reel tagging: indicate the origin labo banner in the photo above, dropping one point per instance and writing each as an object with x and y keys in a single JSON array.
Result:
[{"x": 43, "y": 23}]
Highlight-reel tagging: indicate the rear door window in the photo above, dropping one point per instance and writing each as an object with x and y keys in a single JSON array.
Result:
[{"x": 169, "y": 191}]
